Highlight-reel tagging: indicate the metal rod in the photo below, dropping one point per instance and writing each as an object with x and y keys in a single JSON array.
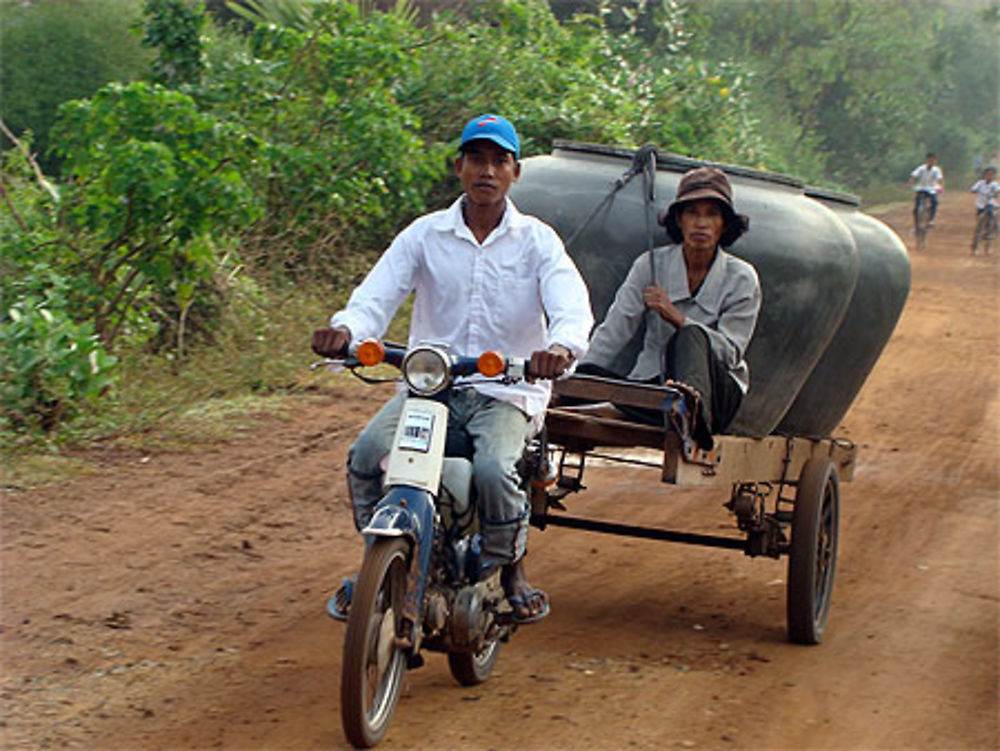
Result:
[
  {"x": 625, "y": 460},
  {"x": 611, "y": 528}
]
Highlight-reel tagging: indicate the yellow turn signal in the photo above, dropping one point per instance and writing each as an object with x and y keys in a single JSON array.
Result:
[
  {"x": 490, "y": 363},
  {"x": 371, "y": 352}
]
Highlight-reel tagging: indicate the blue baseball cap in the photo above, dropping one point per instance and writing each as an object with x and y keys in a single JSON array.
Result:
[{"x": 493, "y": 128}]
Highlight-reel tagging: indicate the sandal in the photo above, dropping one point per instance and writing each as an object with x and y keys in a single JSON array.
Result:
[
  {"x": 685, "y": 414},
  {"x": 520, "y": 605},
  {"x": 338, "y": 606}
]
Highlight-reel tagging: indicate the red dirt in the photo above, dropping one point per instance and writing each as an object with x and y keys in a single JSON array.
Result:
[{"x": 175, "y": 601}]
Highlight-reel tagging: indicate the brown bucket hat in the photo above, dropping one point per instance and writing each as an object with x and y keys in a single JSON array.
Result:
[{"x": 705, "y": 182}]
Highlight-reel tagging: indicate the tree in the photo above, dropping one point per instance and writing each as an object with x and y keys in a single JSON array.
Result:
[
  {"x": 151, "y": 181},
  {"x": 857, "y": 87},
  {"x": 56, "y": 51}
]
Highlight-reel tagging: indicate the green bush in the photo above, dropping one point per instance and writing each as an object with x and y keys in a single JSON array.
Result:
[
  {"x": 623, "y": 80},
  {"x": 343, "y": 160},
  {"x": 51, "y": 365},
  {"x": 155, "y": 185},
  {"x": 173, "y": 28}
]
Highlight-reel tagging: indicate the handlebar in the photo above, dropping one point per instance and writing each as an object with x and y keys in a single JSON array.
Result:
[{"x": 370, "y": 352}]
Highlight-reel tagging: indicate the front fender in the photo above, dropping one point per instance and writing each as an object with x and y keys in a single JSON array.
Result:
[
  {"x": 403, "y": 512},
  {"x": 408, "y": 512}
]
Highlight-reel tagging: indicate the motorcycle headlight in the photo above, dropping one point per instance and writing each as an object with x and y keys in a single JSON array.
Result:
[{"x": 426, "y": 371}]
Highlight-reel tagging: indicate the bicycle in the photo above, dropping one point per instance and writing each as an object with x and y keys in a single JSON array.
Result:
[
  {"x": 986, "y": 230},
  {"x": 922, "y": 218}
]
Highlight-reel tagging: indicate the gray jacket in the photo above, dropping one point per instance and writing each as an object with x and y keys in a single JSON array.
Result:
[{"x": 726, "y": 307}]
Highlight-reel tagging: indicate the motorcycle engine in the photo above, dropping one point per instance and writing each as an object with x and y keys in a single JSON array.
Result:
[{"x": 472, "y": 612}]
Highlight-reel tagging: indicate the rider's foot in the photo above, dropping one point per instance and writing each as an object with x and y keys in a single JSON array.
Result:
[
  {"x": 529, "y": 604},
  {"x": 339, "y": 605}
]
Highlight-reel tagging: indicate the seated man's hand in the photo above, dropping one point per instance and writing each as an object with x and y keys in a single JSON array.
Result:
[
  {"x": 549, "y": 363},
  {"x": 657, "y": 299},
  {"x": 331, "y": 342}
]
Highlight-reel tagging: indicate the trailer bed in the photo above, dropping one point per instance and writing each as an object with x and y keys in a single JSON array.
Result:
[{"x": 733, "y": 459}]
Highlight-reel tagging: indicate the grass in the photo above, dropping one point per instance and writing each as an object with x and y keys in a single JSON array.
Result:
[
  {"x": 23, "y": 471},
  {"x": 258, "y": 358},
  {"x": 879, "y": 198}
]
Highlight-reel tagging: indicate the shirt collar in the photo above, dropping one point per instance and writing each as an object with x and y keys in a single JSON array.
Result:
[
  {"x": 451, "y": 220},
  {"x": 711, "y": 287},
  {"x": 677, "y": 279}
]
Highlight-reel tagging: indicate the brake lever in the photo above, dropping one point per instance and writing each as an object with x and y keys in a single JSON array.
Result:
[{"x": 336, "y": 364}]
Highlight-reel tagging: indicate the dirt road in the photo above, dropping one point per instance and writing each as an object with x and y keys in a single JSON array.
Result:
[{"x": 175, "y": 601}]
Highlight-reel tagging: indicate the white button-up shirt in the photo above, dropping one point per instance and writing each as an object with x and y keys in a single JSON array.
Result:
[
  {"x": 725, "y": 307},
  {"x": 986, "y": 193},
  {"x": 927, "y": 178},
  {"x": 517, "y": 292}
]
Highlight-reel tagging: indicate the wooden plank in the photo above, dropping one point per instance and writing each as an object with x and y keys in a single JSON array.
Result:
[
  {"x": 595, "y": 388},
  {"x": 579, "y": 431}
]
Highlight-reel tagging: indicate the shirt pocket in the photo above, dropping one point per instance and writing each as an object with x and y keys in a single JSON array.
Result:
[
  {"x": 514, "y": 276},
  {"x": 516, "y": 303}
]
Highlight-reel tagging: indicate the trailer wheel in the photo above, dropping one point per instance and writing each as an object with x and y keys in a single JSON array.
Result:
[{"x": 812, "y": 557}]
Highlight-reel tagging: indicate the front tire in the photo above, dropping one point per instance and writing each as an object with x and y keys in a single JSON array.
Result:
[
  {"x": 922, "y": 221},
  {"x": 812, "y": 557},
  {"x": 985, "y": 231},
  {"x": 373, "y": 665},
  {"x": 472, "y": 668}
]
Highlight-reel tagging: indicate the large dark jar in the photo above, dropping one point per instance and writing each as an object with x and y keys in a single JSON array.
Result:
[{"x": 803, "y": 252}]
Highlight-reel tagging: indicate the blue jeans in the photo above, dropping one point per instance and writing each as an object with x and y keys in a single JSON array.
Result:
[
  {"x": 499, "y": 431},
  {"x": 927, "y": 195}
]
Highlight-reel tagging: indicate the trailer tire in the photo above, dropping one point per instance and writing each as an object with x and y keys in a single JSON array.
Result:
[{"x": 812, "y": 557}]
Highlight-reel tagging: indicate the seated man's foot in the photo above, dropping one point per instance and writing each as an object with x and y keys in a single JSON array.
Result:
[
  {"x": 530, "y": 605},
  {"x": 686, "y": 415},
  {"x": 339, "y": 605}
]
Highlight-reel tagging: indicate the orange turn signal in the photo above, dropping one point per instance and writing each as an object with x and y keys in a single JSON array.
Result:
[
  {"x": 490, "y": 363},
  {"x": 371, "y": 352}
]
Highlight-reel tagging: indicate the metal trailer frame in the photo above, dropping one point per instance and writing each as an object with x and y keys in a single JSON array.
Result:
[{"x": 784, "y": 490}]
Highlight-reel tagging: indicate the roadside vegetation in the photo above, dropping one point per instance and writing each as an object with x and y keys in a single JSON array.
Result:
[{"x": 187, "y": 190}]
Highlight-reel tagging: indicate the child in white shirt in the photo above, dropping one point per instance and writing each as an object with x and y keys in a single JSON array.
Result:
[
  {"x": 927, "y": 180},
  {"x": 987, "y": 191}
]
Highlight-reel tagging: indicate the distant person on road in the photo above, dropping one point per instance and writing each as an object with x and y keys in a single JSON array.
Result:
[
  {"x": 927, "y": 180},
  {"x": 987, "y": 191},
  {"x": 704, "y": 304}
]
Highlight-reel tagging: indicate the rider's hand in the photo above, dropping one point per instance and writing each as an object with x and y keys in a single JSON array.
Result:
[
  {"x": 331, "y": 342},
  {"x": 549, "y": 363}
]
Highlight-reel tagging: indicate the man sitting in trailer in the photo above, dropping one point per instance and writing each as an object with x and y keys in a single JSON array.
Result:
[{"x": 703, "y": 304}]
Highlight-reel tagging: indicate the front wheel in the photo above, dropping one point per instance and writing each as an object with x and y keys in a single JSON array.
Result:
[
  {"x": 812, "y": 558},
  {"x": 472, "y": 668},
  {"x": 373, "y": 665},
  {"x": 922, "y": 220},
  {"x": 985, "y": 231}
]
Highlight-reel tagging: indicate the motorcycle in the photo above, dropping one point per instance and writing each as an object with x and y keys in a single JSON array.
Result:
[{"x": 419, "y": 586}]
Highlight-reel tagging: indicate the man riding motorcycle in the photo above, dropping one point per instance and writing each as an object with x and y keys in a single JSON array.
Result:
[{"x": 485, "y": 276}]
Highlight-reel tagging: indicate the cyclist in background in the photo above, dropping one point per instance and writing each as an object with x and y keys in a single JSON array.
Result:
[
  {"x": 987, "y": 191},
  {"x": 927, "y": 180}
]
